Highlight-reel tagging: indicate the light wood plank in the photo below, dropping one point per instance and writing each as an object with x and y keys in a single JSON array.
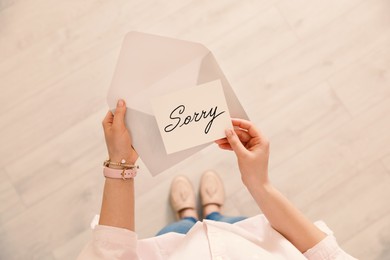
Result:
[
  {"x": 355, "y": 208},
  {"x": 314, "y": 171},
  {"x": 244, "y": 203},
  {"x": 10, "y": 201},
  {"x": 367, "y": 136},
  {"x": 366, "y": 82},
  {"x": 252, "y": 42},
  {"x": 72, "y": 248},
  {"x": 347, "y": 210},
  {"x": 25, "y": 22},
  {"x": 352, "y": 147},
  {"x": 6, "y": 4},
  {"x": 55, "y": 109},
  {"x": 303, "y": 121},
  {"x": 308, "y": 63},
  {"x": 204, "y": 21},
  {"x": 77, "y": 44},
  {"x": 309, "y": 16},
  {"x": 54, "y": 220},
  {"x": 68, "y": 157},
  {"x": 376, "y": 239},
  {"x": 386, "y": 162}
]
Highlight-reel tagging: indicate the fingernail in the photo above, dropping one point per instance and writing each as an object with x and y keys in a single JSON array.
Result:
[
  {"x": 120, "y": 103},
  {"x": 228, "y": 132}
]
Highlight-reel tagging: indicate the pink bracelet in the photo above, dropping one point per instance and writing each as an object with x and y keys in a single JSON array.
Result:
[{"x": 119, "y": 173}]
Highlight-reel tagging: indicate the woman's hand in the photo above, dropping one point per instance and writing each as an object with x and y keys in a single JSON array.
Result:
[
  {"x": 117, "y": 136},
  {"x": 251, "y": 149}
]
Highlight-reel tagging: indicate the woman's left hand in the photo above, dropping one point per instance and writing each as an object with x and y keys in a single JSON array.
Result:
[{"x": 117, "y": 136}]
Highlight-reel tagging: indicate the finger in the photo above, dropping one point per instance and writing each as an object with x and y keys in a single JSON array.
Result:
[
  {"x": 243, "y": 135},
  {"x": 228, "y": 144},
  {"x": 107, "y": 121},
  {"x": 235, "y": 143},
  {"x": 225, "y": 147},
  {"x": 252, "y": 143},
  {"x": 252, "y": 130},
  {"x": 221, "y": 141},
  {"x": 120, "y": 111},
  {"x": 246, "y": 125}
]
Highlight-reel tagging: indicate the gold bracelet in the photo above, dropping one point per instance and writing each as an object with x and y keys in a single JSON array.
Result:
[{"x": 122, "y": 163}]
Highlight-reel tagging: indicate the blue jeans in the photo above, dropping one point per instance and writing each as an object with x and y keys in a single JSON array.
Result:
[{"x": 185, "y": 224}]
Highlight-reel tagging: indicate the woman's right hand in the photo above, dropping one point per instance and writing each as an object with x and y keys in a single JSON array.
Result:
[{"x": 252, "y": 151}]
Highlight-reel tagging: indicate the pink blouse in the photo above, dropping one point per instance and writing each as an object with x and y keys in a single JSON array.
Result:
[{"x": 253, "y": 238}]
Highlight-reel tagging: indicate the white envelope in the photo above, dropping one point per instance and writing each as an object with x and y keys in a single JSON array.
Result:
[{"x": 150, "y": 66}]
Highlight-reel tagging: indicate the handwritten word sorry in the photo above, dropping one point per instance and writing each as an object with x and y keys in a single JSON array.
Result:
[{"x": 196, "y": 117}]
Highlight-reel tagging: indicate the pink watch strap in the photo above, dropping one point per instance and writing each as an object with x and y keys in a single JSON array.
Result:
[{"x": 117, "y": 173}]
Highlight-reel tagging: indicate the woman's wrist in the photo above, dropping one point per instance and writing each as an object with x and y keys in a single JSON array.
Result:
[
  {"x": 129, "y": 159},
  {"x": 259, "y": 188}
]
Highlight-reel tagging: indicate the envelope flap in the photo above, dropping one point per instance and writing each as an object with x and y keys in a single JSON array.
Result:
[
  {"x": 185, "y": 76},
  {"x": 145, "y": 59},
  {"x": 209, "y": 70}
]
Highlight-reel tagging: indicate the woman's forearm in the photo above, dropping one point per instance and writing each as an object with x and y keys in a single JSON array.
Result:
[
  {"x": 118, "y": 195},
  {"x": 118, "y": 204},
  {"x": 286, "y": 218}
]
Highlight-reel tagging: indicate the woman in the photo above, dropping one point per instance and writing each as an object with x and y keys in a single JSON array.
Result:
[{"x": 283, "y": 232}]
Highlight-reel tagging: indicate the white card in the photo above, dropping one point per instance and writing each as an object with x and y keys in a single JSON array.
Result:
[{"x": 192, "y": 116}]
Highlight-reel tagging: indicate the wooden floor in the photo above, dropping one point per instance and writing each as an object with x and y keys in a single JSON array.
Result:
[{"x": 314, "y": 75}]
